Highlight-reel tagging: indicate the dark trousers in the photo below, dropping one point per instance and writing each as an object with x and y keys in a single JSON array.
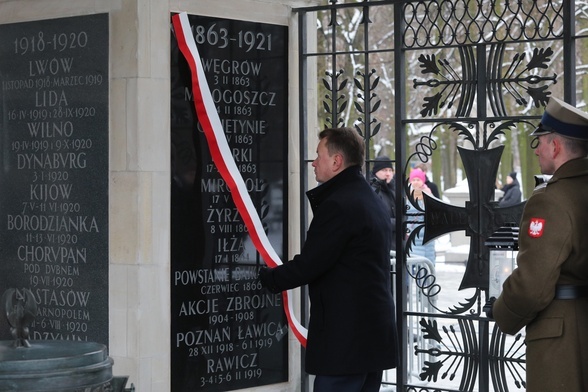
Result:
[{"x": 366, "y": 382}]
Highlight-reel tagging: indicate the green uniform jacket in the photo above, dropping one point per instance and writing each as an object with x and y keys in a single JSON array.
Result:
[{"x": 553, "y": 249}]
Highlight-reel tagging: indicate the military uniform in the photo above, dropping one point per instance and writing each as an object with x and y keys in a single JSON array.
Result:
[{"x": 553, "y": 243}]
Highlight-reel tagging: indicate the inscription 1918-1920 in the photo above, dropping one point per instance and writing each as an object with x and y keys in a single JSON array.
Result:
[
  {"x": 54, "y": 173},
  {"x": 227, "y": 332}
]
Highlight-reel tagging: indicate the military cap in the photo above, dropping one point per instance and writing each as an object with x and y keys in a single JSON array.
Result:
[{"x": 562, "y": 118}]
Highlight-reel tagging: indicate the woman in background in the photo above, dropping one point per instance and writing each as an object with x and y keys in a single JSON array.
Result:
[{"x": 417, "y": 180}]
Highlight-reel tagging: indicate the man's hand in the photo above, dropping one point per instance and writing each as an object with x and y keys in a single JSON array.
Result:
[{"x": 266, "y": 279}]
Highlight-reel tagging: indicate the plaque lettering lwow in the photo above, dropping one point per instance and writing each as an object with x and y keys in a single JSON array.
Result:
[
  {"x": 227, "y": 332},
  {"x": 54, "y": 173}
]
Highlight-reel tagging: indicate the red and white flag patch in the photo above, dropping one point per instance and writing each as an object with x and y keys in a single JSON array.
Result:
[{"x": 536, "y": 227}]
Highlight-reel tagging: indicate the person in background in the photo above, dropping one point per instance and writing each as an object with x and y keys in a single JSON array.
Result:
[
  {"x": 430, "y": 184},
  {"x": 417, "y": 180},
  {"x": 345, "y": 261},
  {"x": 512, "y": 191},
  {"x": 382, "y": 183},
  {"x": 548, "y": 291}
]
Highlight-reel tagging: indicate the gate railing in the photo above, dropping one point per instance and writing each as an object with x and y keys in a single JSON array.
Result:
[
  {"x": 452, "y": 352},
  {"x": 444, "y": 75}
]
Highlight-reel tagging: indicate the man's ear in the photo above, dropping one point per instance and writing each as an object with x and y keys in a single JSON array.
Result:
[
  {"x": 338, "y": 163},
  {"x": 557, "y": 147}
]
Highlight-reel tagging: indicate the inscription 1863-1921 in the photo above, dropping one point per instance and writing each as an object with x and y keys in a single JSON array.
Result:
[
  {"x": 227, "y": 332},
  {"x": 54, "y": 173}
]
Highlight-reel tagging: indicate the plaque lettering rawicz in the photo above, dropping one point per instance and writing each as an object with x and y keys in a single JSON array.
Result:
[
  {"x": 227, "y": 332},
  {"x": 54, "y": 173}
]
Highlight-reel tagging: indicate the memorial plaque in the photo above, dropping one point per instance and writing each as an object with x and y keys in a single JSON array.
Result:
[
  {"x": 227, "y": 332},
  {"x": 54, "y": 173}
]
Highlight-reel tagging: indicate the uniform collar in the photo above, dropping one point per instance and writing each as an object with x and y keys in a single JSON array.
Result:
[{"x": 572, "y": 168}]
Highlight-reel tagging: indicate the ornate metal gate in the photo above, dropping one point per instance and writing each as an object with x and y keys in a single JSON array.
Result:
[{"x": 457, "y": 85}]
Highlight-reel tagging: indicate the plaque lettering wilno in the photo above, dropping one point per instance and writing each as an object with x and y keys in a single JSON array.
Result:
[{"x": 54, "y": 177}]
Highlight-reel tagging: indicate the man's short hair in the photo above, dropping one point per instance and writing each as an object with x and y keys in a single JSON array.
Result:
[
  {"x": 576, "y": 147},
  {"x": 347, "y": 142}
]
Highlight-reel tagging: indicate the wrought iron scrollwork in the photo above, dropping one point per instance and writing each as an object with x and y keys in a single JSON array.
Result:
[
  {"x": 481, "y": 70},
  {"x": 454, "y": 352},
  {"x": 372, "y": 101},
  {"x": 456, "y": 22},
  {"x": 460, "y": 351},
  {"x": 450, "y": 87},
  {"x": 479, "y": 218},
  {"x": 507, "y": 360},
  {"x": 335, "y": 98},
  {"x": 513, "y": 80},
  {"x": 367, "y": 103}
]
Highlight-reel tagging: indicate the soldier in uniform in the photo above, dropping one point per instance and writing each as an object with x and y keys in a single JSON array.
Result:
[{"x": 548, "y": 291}]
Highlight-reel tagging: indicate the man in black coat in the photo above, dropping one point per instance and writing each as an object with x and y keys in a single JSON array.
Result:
[
  {"x": 512, "y": 191},
  {"x": 345, "y": 261},
  {"x": 382, "y": 183}
]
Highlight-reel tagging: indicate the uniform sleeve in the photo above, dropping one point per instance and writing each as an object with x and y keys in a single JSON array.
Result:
[
  {"x": 544, "y": 244},
  {"x": 328, "y": 233}
]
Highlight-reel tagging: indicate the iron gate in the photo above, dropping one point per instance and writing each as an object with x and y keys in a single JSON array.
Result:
[{"x": 458, "y": 85}]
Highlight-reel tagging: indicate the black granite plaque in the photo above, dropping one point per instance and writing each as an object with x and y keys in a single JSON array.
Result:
[
  {"x": 54, "y": 173},
  {"x": 227, "y": 332}
]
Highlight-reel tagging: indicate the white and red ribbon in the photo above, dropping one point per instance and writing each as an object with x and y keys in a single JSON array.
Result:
[{"x": 223, "y": 159}]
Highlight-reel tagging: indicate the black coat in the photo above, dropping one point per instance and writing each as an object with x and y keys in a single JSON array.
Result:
[
  {"x": 433, "y": 187},
  {"x": 512, "y": 194},
  {"x": 346, "y": 263},
  {"x": 387, "y": 193}
]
